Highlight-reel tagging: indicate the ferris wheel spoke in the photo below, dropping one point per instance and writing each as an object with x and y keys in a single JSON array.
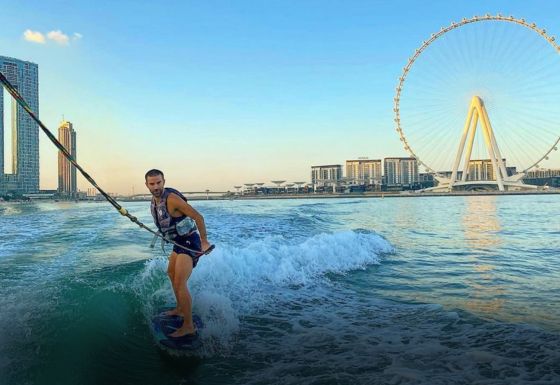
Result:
[
  {"x": 525, "y": 143},
  {"x": 436, "y": 133},
  {"x": 429, "y": 143}
]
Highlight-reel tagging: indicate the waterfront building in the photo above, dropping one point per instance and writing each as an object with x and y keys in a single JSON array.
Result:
[
  {"x": 426, "y": 180},
  {"x": 511, "y": 170},
  {"x": 543, "y": 173},
  {"x": 400, "y": 171},
  {"x": 543, "y": 177},
  {"x": 326, "y": 176},
  {"x": 482, "y": 169},
  {"x": 364, "y": 171},
  {"x": 22, "y": 175},
  {"x": 447, "y": 174},
  {"x": 66, "y": 171}
]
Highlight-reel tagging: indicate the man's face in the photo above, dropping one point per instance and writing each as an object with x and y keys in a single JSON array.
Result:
[{"x": 155, "y": 185}]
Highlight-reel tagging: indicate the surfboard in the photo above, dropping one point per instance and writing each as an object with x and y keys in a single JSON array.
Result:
[{"x": 163, "y": 325}]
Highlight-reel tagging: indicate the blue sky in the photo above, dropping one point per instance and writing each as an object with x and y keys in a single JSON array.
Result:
[{"x": 220, "y": 93}]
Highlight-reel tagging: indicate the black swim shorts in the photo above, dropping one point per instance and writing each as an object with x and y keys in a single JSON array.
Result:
[{"x": 191, "y": 241}]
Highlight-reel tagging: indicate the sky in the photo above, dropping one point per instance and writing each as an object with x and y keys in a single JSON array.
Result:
[{"x": 222, "y": 93}]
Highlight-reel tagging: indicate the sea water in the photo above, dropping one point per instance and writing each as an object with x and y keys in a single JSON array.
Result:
[{"x": 423, "y": 290}]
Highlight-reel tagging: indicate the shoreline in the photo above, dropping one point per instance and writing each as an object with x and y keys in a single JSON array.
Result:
[{"x": 378, "y": 195}]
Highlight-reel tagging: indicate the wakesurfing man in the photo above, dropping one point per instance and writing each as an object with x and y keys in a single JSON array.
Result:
[{"x": 180, "y": 222}]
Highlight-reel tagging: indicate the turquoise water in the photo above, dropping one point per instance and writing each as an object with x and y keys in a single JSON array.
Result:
[{"x": 434, "y": 290}]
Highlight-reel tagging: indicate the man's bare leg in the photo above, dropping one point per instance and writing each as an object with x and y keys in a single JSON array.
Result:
[
  {"x": 183, "y": 270},
  {"x": 171, "y": 274}
]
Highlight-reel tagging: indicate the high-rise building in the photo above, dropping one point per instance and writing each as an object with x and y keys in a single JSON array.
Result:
[
  {"x": 23, "y": 175},
  {"x": 481, "y": 169},
  {"x": 328, "y": 175},
  {"x": 400, "y": 171},
  {"x": 66, "y": 171},
  {"x": 364, "y": 171}
]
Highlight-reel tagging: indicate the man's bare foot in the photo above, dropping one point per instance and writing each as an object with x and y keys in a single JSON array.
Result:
[
  {"x": 183, "y": 331},
  {"x": 173, "y": 312}
]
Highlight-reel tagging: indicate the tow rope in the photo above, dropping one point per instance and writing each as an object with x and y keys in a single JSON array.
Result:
[{"x": 19, "y": 99}]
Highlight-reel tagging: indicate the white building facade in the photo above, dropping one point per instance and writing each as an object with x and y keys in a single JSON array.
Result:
[
  {"x": 401, "y": 171},
  {"x": 364, "y": 171},
  {"x": 326, "y": 176}
]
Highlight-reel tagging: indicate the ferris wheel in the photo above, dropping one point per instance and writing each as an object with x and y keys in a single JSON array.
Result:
[{"x": 482, "y": 89}]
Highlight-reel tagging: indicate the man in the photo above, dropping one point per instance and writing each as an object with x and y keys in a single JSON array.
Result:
[{"x": 170, "y": 211}]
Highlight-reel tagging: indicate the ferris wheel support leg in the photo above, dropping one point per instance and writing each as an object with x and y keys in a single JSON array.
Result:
[
  {"x": 487, "y": 134},
  {"x": 461, "y": 147},
  {"x": 469, "y": 148},
  {"x": 495, "y": 147}
]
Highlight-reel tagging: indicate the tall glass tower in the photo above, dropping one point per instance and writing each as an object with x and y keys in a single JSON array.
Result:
[
  {"x": 66, "y": 171},
  {"x": 23, "y": 175}
]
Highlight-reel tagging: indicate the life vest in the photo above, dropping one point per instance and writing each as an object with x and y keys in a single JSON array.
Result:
[{"x": 169, "y": 226}]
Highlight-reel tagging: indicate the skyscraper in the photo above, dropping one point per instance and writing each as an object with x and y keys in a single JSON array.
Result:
[
  {"x": 400, "y": 171},
  {"x": 23, "y": 175},
  {"x": 66, "y": 171},
  {"x": 364, "y": 171}
]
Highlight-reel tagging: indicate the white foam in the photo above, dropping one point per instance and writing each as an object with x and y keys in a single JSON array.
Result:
[
  {"x": 275, "y": 261},
  {"x": 233, "y": 281}
]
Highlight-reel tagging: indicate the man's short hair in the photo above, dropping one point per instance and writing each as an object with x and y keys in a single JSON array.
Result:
[{"x": 153, "y": 172}]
